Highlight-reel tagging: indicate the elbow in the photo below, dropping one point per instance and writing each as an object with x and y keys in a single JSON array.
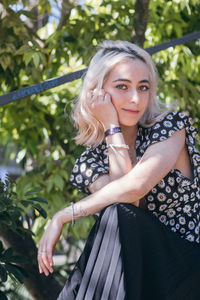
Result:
[
  {"x": 136, "y": 191},
  {"x": 142, "y": 189},
  {"x": 136, "y": 194},
  {"x": 116, "y": 175}
]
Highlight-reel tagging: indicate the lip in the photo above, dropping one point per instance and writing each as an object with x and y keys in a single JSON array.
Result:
[{"x": 132, "y": 111}]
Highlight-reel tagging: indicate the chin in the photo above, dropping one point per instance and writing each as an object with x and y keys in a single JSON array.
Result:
[{"x": 128, "y": 124}]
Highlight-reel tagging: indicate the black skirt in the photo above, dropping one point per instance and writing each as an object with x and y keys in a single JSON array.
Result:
[{"x": 131, "y": 255}]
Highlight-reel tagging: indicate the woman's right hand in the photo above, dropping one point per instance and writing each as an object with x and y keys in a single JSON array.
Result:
[
  {"x": 47, "y": 244},
  {"x": 102, "y": 108}
]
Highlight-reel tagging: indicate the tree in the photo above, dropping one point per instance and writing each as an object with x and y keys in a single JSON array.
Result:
[{"x": 40, "y": 125}]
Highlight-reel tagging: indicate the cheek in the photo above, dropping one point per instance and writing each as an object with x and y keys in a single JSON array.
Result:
[
  {"x": 115, "y": 97},
  {"x": 116, "y": 100},
  {"x": 145, "y": 100}
]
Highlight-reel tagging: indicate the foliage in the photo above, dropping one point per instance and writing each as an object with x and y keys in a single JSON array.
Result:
[
  {"x": 13, "y": 214},
  {"x": 13, "y": 210},
  {"x": 179, "y": 66},
  {"x": 40, "y": 126},
  {"x": 9, "y": 266}
]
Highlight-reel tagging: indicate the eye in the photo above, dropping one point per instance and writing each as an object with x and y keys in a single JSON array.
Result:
[
  {"x": 122, "y": 87},
  {"x": 144, "y": 88}
]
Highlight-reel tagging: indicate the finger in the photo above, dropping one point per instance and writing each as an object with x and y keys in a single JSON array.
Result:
[
  {"x": 99, "y": 93},
  {"x": 39, "y": 253},
  {"x": 40, "y": 270},
  {"x": 46, "y": 261},
  {"x": 42, "y": 258},
  {"x": 102, "y": 93},
  {"x": 90, "y": 94},
  {"x": 50, "y": 259},
  {"x": 43, "y": 268},
  {"x": 107, "y": 98},
  {"x": 43, "y": 264},
  {"x": 91, "y": 98},
  {"x": 40, "y": 264},
  {"x": 100, "y": 97}
]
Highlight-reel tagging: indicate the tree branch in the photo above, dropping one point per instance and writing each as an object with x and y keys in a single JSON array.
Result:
[{"x": 67, "y": 6}]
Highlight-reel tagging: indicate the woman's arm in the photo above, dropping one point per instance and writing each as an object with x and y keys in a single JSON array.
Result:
[
  {"x": 156, "y": 163},
  {"x": 100, "y": 104},
  {"x": 119, "y": 161}
]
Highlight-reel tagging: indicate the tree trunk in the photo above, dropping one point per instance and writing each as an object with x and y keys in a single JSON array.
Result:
[
  {"x": 39, "y": 286},
  {"x": 67, "y": 6},
  {"x": 140, "y": 18}
]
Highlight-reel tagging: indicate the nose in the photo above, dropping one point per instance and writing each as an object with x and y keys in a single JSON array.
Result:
[{"x": 134, "y": 97}]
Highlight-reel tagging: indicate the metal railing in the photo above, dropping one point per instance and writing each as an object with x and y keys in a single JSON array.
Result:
[{"x": 51, "y": 83}]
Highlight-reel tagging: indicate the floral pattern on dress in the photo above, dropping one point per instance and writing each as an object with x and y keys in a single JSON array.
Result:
[
  {"x": 92, "y": 163},
  {"x": 180, "y": 208},
  {"x": 175, "y": 200}
]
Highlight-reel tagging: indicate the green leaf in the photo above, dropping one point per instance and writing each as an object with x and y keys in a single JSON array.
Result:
[
  {"x": 23, "y": 49},
  {"x": 2, "y": 207},
  {"x": 25, "y": 203},
  {"x": 4, "y": 199},
  {"x": 23, "y": 189},
  {"x": 16, "y": 271},
  {"x": 8, "y": 253},
  {"x": 31, "y": 192},
  {"x": 6, "y": 218},
  {"x": 59, "y": 182},
  {"x": 28, "y": 56},
  {"x": 5, "y": 61},
  {"x": 50, "y": 184},
  {"x": 38, "y": 199},
  {"x": 64, "y": 174},
  {"x": 36, "y": 59},
  {"x": 40, "y": 210},
  {"x": 3, "y": 273},
  {"x": 42, "y": 57}
]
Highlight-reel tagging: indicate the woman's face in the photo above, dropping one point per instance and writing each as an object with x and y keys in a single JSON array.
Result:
[{"x": 128, "y": 85}]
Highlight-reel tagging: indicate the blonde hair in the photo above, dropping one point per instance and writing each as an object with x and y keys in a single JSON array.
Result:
[{"x": 90, "y": 130}]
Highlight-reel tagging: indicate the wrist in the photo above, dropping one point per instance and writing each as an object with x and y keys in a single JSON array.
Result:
[
  {"x": 63, "y": 216},
  {"x": 112, "y": 131},
  {"x": 111, "y": 125}
]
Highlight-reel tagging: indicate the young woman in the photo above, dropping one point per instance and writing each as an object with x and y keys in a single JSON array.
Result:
[{"x": 142, "y": 172}]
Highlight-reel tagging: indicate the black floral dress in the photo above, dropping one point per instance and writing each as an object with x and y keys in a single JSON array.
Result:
[
  {"x": 175, "y": 200},
  {"x": 137, "y": 254}
]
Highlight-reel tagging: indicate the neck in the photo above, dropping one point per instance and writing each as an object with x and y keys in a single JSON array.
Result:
[{"x": 129, "y": 133}]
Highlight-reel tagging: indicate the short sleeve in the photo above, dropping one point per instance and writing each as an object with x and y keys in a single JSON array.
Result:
[
  {"x": 173, "y": 121},
  {"x": 89, "y": 166}
]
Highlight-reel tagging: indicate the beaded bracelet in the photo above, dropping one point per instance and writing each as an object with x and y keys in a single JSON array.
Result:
[
  {"x": 112, "y": 131},
  {"x": 113, "y": 146}
]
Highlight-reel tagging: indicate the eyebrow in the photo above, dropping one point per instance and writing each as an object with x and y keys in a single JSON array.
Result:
[{"x": 127, "y": 80}]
